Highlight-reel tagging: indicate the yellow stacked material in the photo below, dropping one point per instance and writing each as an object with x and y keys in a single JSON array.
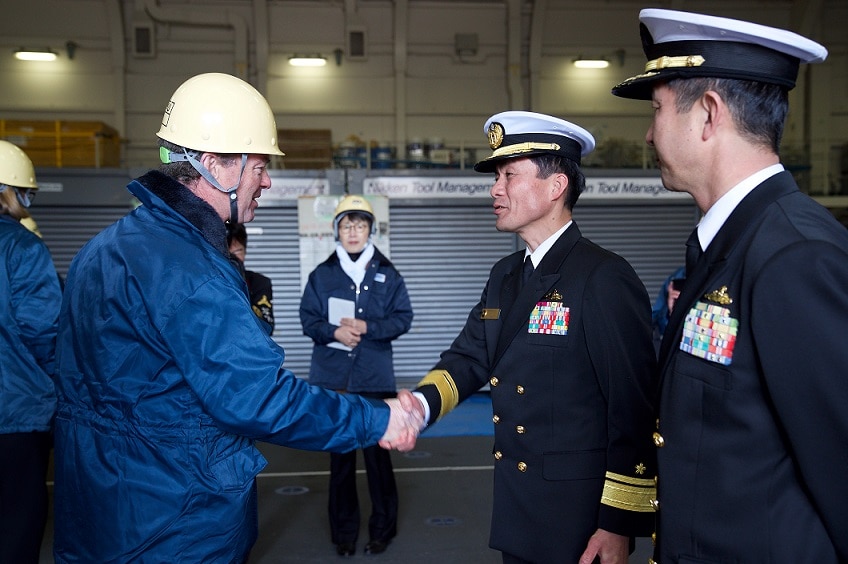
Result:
[{"x": 57, "y": 143}]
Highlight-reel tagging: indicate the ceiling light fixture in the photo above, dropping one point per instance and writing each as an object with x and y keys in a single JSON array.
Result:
[
  {"x": 35, "y": 54},
  {"x": 582, "y": 63},
  {"x": 307, "y": 60}
]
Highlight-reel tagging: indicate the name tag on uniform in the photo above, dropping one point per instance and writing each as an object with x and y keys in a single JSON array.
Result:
[
  {"x": 490, "y": 313},
  {"x": 379, "y": 277}
]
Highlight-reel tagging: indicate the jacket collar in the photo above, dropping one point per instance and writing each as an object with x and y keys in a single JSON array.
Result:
[{"x": 157, "y": 190}]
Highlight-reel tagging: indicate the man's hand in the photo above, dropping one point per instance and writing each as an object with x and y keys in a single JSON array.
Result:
[
  {"x": 411, "y": 403},
  {"x": 403, "y": 428},
  {"x": 609, "y": 547}
]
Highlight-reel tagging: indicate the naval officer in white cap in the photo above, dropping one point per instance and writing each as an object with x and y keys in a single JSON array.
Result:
[
  {"x": 753, "y": 428},
  {"x": 567, "y": 355}
]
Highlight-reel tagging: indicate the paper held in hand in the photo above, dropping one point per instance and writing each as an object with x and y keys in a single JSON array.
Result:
[{"x": 336, "y": 309}]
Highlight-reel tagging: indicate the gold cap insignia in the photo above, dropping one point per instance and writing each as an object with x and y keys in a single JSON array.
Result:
[
  {"x": 496, "y": 135},
  {"x": 553, "y": 296},
  {"x": 719, "y": 296}
]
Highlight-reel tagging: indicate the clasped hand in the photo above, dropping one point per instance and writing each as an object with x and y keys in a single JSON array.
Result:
[
  {"x": 405, "y": 422},
  {"x": 350, "y": 331}
]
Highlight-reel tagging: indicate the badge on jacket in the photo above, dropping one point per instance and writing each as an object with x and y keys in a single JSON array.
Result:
[
  {"x": 550, "y": 316},
  {"x": 709, "y": 331}
]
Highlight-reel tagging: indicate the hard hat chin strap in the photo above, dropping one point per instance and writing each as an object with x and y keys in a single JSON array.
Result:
[
  {"x": 24, "y": 196},
  {"x": 191, "y": 158}
]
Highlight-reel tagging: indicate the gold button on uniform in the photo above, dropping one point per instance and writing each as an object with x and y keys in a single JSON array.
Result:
[
  {"x": 496, "y": 419},
  {"x": 658, "y": 440},
  {"x": 520, "y": 429},
  {"x": 498, "y": 455},
  {"x": 520, "y": 390},
  {"x": 522, "y": 467},
  {"x": 493, "y": 380},
  {"x": 655, "y": 503}
]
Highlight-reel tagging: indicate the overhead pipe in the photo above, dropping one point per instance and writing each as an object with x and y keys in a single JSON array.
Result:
[
  {"x": 514, "y": 89},
  {"x": 401, "y": 26},
  {"x": 118, "y": 50},
  {"x": 261, "y": 42},
  {"x": 534, "y": 58},
  {"x": 207, "y": 16}
]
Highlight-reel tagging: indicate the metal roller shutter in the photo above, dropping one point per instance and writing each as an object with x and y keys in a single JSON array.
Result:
[
  {"x": 66, "y": 229},
  {"x": 445, "y": 253},
  {"x": 444, "y": 250}
]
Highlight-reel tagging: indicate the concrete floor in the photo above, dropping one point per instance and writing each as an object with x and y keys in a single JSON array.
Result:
[{"x": 445, "y": 489}]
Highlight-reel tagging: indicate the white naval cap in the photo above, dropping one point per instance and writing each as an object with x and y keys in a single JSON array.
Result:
[
  {"x": 684, "y": 45},
  {"x": 523, "y": 134}
]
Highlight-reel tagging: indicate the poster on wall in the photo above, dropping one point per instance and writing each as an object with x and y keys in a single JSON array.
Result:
[{"x": 315, "y": 229}]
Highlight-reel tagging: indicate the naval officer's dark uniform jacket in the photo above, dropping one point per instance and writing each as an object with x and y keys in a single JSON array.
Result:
[
  {"x": 753, "y": 424},
  {"x": 570, "y": 364}
]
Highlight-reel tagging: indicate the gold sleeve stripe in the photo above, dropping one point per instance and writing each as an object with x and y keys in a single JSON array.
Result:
[
  {"x": 446, "y": 387},
  {"x": 629, "y": 494},
  {"x": 644, "y": 482}
]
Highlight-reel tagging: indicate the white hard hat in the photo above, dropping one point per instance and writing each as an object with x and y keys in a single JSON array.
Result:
[
  {"x": 16, "y": 167},
  {"x": 219, "y": 113}
]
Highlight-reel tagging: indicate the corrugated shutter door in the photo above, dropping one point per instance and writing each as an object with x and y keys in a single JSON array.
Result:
[
  {"x": 652, "y": 237},
  {"x": 275, "y": 252},
  {"x": 66, "y": 229},
  {"x": 445, "y": 253}
]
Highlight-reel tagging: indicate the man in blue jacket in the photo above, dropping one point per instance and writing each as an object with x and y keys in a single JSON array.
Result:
[{"x": 166, "y": 376}]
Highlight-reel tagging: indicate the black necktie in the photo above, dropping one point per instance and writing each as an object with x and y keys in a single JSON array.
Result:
[
  {"x": 527, "y": 270},
  {"x": 693, "y": 252}
]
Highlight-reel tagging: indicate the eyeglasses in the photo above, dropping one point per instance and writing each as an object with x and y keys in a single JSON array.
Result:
[
  {"x": 360, "y": 227},
  {"x": 26, "y": 196}
]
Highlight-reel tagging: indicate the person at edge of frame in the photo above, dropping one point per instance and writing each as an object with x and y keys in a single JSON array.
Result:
[{"x": 752, "y": 430}]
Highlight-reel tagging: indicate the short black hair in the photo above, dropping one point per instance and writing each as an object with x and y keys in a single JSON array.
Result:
[
  {"x": 549, "y": 164},
  {"x": 759, "y": 109}
]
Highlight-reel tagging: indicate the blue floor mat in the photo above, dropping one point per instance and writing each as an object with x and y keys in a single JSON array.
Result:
[{"x": 471, "y": 418}]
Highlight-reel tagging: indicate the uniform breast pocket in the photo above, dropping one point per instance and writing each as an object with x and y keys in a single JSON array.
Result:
[
  {"x": 548, "y": 340},
  {"x": 709, "y": 373},
  {"x": 548, "y": 324}
]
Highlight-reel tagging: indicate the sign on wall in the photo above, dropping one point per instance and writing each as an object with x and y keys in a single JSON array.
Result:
[{"x": 618, "y": 187}]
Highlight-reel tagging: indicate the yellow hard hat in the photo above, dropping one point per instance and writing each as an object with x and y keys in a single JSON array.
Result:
[
  {"x": 353, "y": 203},
  {"x": 219, "y": 113},
  {"x": 15, "y": 167}
]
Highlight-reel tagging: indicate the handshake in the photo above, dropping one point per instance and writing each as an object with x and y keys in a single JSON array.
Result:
[{"x": 405, "y": 422}]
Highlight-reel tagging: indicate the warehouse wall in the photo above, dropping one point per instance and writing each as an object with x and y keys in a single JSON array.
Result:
[{"x": 411, "y": 81}]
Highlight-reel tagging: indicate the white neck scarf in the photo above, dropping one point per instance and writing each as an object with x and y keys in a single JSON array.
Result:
[{"x": 355, "y": 270}]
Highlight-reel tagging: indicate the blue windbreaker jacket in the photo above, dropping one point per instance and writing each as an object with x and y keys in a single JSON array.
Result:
[
  {"x": 382, "y": 301},
  {"x": 30, "y": 297},
  {"x": 166, "y": 379}
]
